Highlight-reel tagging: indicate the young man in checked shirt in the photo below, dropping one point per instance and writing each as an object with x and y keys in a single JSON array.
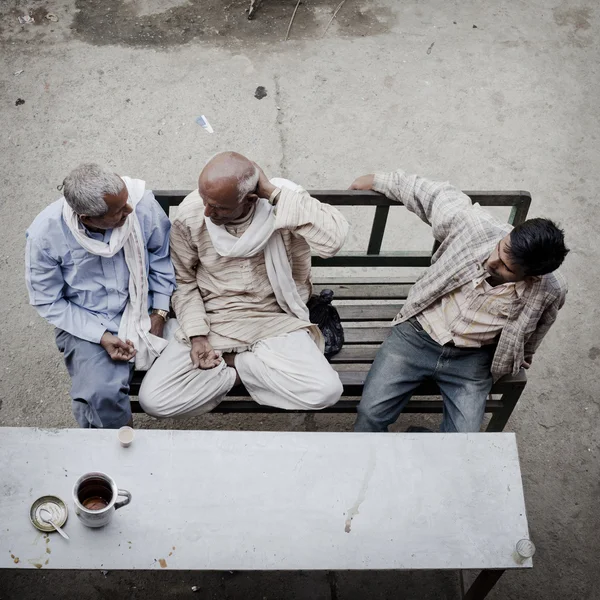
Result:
[{"x": 479, "y": 312}]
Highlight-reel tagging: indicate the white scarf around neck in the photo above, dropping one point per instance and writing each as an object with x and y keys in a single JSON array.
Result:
[
  {"x": 261, "y": 236},
  {"x": 135, "y": 321}
]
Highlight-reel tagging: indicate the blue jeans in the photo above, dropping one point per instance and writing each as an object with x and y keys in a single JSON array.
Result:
[
  {"x": 99, "y": 384},
  {"x": 408, "y": 357}
]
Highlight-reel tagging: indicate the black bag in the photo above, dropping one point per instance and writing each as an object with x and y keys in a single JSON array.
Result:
[{"x": 326, "y": 317}]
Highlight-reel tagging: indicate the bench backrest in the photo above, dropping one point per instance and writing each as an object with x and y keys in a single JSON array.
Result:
[{"x": 518, "y": 201}]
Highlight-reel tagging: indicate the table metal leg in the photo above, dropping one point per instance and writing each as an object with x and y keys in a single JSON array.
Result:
[
  {"x": 509, "y": 401},
  {"x": 483, "y": 584}
]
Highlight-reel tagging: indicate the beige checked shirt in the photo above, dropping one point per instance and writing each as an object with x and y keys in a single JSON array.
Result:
[
  {"x": 231, "y": 299},
  {"x": 472, "y": 315},
  {"x": 468, "y": 235}
]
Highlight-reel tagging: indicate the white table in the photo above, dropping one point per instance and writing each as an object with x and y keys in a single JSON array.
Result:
[{"x": 219, "y": 500}]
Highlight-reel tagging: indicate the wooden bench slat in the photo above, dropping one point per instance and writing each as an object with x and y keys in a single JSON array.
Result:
[
  {"x": 324, "y": 281},
  {"x": 417, "y": 406},
  {"x": 366, "y": 335},
  {"x": 361, "y": 353},
  {"x": 341, "y": 367},
  {"x": 350, "y": 378},
  {"x": 368, "y": 312},
  {"x": 364, "y": 291}
]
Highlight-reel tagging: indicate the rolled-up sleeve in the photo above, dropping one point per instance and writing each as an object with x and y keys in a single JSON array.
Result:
[
  {"x": 323, "y": 226},
  {"x": 45, "y": 285},
  {"x": 547, "y": 318},
  {"x": 187, "y": 301},
  {"x": 437, "y": 203}
]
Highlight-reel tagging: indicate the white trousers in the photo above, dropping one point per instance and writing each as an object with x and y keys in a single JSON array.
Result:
[{"x": 287, "y": 372}]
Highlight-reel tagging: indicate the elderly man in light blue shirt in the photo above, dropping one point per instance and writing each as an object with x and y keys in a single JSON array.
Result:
[{"x": 98, "y": 269}]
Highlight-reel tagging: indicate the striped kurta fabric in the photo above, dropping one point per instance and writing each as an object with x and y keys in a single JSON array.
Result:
[
  {"x": 230, "y": 299},
  {"x": 468, "y": 235},
  {"x": 473, "y": 315}
]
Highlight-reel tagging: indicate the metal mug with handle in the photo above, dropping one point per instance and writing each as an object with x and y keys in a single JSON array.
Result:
[{"x": 95, "y": 496}]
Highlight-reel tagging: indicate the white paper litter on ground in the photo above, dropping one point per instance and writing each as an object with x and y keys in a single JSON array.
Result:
[{"x": 203, "y": 122}]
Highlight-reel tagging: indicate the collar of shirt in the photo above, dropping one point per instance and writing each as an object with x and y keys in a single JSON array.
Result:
[
  {"x": 240, "y": 225},
  {"x": 97, "y": 235},
  {"x": 519, "y": 286}
]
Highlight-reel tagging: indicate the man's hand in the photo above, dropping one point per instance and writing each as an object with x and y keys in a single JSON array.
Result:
[
  {"x": 365, "y": 183},
  {"x": 116, "y": 348},
  {"x": 202, "y": 354},
  {"x": 265, "y": 188},
  {"x": 157, "y": 324},
  {"x": 527, "y": 362}
]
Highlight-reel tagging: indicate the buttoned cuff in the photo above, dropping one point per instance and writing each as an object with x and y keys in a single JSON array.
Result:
[
  {"x": 93, "y": 332},
  {"x": 161, "y": 301}
]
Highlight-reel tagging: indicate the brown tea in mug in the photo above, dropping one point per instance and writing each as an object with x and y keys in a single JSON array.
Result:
[{"x": 95, "y": 493}]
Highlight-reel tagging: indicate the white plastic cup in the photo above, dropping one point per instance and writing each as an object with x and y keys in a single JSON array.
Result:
[
  {"x": 525, "y": 549},
  {"x": 126, "y": 435}
]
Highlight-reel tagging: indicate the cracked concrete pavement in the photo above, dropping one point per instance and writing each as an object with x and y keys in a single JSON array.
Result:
[{"x": 500, "y": 95}]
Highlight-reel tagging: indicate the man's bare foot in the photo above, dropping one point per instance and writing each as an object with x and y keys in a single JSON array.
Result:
[{"x": 229, "y": 359}]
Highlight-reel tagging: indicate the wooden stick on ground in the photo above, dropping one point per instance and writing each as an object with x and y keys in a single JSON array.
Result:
[
  {"x": 253, "y": 6},
  {"x": 287, "y": 35},
  {"x": 333, "y": 17}
]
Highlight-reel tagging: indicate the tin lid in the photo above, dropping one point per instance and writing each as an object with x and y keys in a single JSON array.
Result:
[{"x": 56, "y": 507}]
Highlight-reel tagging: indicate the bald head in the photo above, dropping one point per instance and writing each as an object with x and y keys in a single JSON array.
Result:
[
  {"x": 227, "y": 185},
  {"x": 228, "y": 173}
]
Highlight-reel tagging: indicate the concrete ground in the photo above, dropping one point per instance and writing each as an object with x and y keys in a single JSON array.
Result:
[{"x": 497, "y": 95}]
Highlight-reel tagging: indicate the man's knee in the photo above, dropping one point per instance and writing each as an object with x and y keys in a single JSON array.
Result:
[
  {"x": 371, "y": 411},
  {"x": 375, "y": 416},
  {"x": 465, "y": 420},
  {"x": 94, "y": 382},
  {"x": 100, "y": 397},
  {"x": 333, "y": 389},
  {"x": 326, "y": 392},
  {"x": 187, "y": 394},
  {"x": 152, "y": 398},
  {"x": 458, "y": 423},
  {"x": 105, "y": 413}
]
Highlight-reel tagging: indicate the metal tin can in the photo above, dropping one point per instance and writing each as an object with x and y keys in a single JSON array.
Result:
[{"x": 56, "y": 507}]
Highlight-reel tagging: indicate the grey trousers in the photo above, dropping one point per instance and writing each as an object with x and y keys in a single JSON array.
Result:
[{"x": 100, "y": 385}]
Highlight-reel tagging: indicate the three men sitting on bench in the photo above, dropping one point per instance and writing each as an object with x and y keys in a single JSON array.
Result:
[
  {"x": 241, "y": 246},
  {"x": 97, "y": 262},
  {"x": 478, "y": 313}
]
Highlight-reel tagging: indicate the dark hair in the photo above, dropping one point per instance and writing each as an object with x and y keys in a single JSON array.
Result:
[{"x": 537, "y": 246}]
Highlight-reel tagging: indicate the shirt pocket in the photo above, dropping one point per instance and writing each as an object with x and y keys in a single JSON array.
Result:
[
  {"x": 499, "y": 308},
  {"x": 80, "y": 268},
  {"x": 78, "y": 256}
]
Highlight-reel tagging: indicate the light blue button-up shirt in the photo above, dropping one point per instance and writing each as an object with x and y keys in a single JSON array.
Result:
[{"x": 84, "y": 294}]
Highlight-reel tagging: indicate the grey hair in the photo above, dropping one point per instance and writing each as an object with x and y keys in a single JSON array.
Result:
[
  {"x": 85, "y": 186},
  {"x": 247, "y": 183}
]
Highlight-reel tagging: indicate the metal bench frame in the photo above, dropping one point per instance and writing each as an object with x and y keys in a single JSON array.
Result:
[{"x": 362, "y": 339}]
